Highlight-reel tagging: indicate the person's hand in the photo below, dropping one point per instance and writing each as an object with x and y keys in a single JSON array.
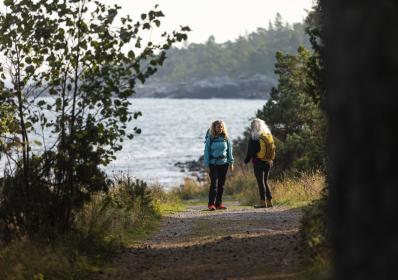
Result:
[
  {"x": 231, "y": 167},
  {"x": 207, "y": 169},
  {"x": 271, "y": 163}
]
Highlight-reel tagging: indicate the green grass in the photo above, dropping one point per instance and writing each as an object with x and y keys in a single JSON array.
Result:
[
  {"x": 105, "y": 224},
  {"x": 242, "y": 186},
  {"x": 168, "y": 208},
  {"x": 196, "y": 202},
  {"x": 190, "y": 190},
  {"x": 127, "y": 237},
  {"x": 71, "y": 258},
  {"x": 290, "y": 191},
  {"x": 315, "y": 240},
  {"x": 74, "y": 257}
]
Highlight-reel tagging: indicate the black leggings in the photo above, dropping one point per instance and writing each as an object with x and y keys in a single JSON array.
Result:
[
  {"x": 218, "y": 173},
  {"x": 261, "y": 170}
]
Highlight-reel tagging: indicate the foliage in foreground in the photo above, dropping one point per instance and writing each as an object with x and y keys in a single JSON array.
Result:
[
  {"x": 85, "y": 60},
  {"x": 315, "y": 239},
  {"x": 127, "y": 213}
]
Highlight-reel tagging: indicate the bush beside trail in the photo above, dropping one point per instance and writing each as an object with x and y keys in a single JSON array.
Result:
[
  {"x": 107, "y": 223},
  {"x": 315, "y": 238}
]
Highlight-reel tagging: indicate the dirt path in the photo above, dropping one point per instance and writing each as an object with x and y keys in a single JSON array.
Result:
[{"x": 238, "y": 243}]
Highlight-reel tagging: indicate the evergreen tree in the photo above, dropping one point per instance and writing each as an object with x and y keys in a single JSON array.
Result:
[
  {"x": 293, "y": 117},
  {"x": 247, "y": 55},
  {"x": 294, "y": 111},
  {"x": 314, "y": 26}
]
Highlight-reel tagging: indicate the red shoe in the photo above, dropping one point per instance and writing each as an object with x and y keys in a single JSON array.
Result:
[
  {"x": 221, "y": 207},
  {"x": 212, "y": 207}
]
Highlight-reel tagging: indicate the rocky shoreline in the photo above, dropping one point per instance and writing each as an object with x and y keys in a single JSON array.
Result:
[
  {"x": 195, "y": 168},
  {"x": 256, "y": 86}
]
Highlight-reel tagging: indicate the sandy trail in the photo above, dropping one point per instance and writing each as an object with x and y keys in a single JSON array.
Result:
[{"x": 237, "y": 243}]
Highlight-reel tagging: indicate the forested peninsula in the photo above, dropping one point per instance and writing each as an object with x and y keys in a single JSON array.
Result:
[{"x": 243, "y": 68}]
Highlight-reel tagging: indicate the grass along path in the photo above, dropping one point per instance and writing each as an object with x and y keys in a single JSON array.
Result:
[{"x": 238, "y": 243}]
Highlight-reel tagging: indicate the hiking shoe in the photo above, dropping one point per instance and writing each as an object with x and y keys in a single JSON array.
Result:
[
  {"x": 269, "y": 203},
  {"x": 261, "y": 204},
  {"x": 212, "y": 207},
  {"x": 221, "y": 207}
]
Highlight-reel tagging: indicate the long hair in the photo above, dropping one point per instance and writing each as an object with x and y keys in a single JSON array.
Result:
[
  {"x": 224, "y": 131},
  {"x": 258, "y": 127}
]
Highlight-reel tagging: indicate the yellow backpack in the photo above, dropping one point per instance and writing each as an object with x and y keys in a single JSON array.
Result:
[{"x": 270, "y": 147}]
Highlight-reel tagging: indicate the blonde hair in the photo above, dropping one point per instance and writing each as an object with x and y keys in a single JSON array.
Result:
[
  {"x": 224, "y": 130},
  {"x": 258, "y": 127}
]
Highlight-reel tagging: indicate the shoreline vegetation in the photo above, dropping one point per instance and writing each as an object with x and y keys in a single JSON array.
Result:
[{"x": 131, "y": 212}]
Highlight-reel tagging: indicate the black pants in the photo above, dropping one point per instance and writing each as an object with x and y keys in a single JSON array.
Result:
[
  {"x": 218, "y": 173},
  {"x": 261, "y": 170}
]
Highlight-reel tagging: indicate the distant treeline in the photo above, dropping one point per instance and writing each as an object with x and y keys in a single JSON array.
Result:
[{"x": 251, "y": 54}]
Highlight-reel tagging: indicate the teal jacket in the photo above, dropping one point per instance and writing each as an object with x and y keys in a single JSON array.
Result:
[{"x": 218, "y": 151}]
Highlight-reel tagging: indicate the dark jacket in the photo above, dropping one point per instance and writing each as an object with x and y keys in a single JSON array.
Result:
[{"x": 253, "y": 148}]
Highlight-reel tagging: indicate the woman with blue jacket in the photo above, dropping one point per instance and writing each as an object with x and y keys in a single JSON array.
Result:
[{"x": 217, "y": 158}]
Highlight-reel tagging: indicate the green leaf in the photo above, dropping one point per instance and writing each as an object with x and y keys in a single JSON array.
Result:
[
  {"x": 28, "y": 125},
  {"x": 30, "y": 69},
  {"x": 146, "y": 26},
  {"x": 131, "y": 54},
  {"x": 41, "y": 103},
  {"x": 138, "y": 43},
  {"x": 8, "y": 3},
  {"x": 38, "y": 143},
  {"x": 185, "y": 28}
]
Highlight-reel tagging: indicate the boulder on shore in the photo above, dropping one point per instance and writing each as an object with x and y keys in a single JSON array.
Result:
[{"x": 196, "y": 168}]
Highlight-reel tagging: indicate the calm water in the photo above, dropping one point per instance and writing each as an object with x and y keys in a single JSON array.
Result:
[{"x": 173, "y": 130}]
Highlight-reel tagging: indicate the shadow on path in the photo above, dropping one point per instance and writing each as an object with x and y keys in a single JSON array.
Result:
[{"x": 238, "y": 243}]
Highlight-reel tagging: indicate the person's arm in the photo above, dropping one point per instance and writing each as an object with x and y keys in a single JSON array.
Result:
[
  {"x": 230, "y": 157},
  {"x": 249, "y": 153},
  {"x": 206, "y": 155}
]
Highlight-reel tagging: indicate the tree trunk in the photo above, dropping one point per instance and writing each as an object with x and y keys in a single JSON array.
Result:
[{"x": 362, "y": 96}]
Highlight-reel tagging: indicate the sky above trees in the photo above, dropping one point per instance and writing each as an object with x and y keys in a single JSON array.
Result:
[{"x": 225, "y": 19}]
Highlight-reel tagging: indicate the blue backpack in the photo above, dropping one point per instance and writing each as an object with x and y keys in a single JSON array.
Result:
[{"x": 207, "y": 135}]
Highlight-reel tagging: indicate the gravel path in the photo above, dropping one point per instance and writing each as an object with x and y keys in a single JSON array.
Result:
[{"x": 238, "y": 243}]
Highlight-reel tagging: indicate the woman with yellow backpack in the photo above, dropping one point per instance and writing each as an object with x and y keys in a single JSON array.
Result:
[{"x": 261, "y": 151}]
